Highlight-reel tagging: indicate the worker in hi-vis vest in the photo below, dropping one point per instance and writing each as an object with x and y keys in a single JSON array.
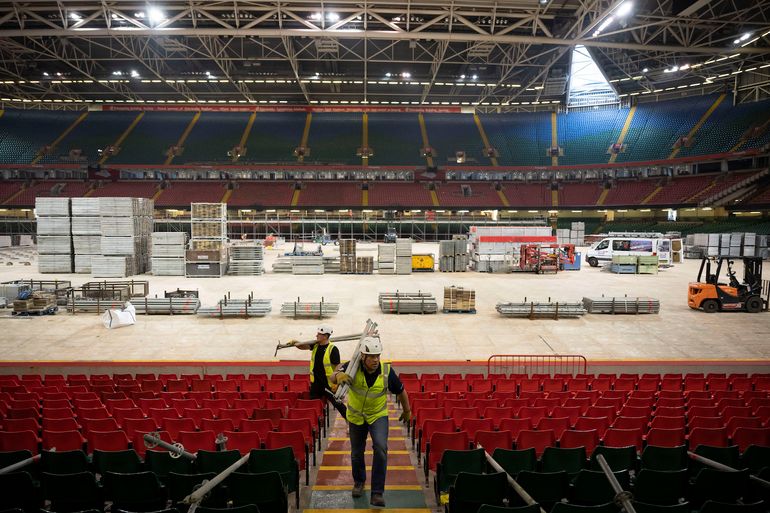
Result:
[
  {"x": 325, "y": 357},
  {"x": 367, "y": 414}
]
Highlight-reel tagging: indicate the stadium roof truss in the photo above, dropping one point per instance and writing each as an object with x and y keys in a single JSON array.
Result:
[{"x": 494, "y": 55}]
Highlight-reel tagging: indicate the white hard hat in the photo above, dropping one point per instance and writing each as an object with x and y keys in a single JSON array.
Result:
[
  {"x": 325, "y": 330},
  {"x": 371, "y": 345}
]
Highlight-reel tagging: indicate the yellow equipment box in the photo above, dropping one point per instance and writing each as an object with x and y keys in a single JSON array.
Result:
[{"x": 423, "y": 263}]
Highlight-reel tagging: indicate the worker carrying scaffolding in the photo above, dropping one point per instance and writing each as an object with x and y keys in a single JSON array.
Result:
[{"x": 366, "y": 381}]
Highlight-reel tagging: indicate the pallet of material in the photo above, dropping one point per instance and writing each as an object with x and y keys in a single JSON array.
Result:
[
  {"x": 59, "y": 207},
  {"x": 364, "y": 265},
  {"x": 313, "y": 310},
  {"x": 228, "y": 307},
  {"x": 541, "y": 309},
  {"x": 144, "y": 306},
  {"x": 85, "y": 207},
  {"x": 54, "y": 263},
  {"x": 169, "y": 238},
  {"x": 168, "y": 266},
  {"x": 331, "y": 265},
  {"x": 53, "y": 226},
  {"x": 407, "y": 302},
  {"x": 623, "y": 268},
  {"x": 209, "y": 229},
  {"x": 621, "y": 305},
  {"x": 208, "y": 210},
  {"x": 204, "y": 269},
  {"x": 347, "y": 264},
  {"x": 111, "y": 266},
  {"x": 459, "y": 300},
  {"x": 86, "y": 226},
  {"x": 207, "y": 245}
]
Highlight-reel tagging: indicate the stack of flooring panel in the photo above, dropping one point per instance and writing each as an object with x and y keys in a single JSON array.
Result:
[
  {"x": 408, "y": 302},
  {"x": 621, "y": 305},
  {"x": 168, "y": 253},
  {"x": 386, "y": 259},
  {"x": 246, "y": 260},
  {"x": 403, "y": 256},
  {"x": 364, "y": 265},
  {"x": 453, "y": 255},
  {"x": 112, "y": 266},
  {"x": 54, "y": 239},
  {"x": 282, "y": 265},
  {"x": 541, "y": 309},
  {"x": 86, "y": 232},
  {"x": 331, "y": 265},
  {"x": 459, "y": 300},
  {"x": 307, "y": 265},
  {"x": 315, "y": 310},
  {"x": 347, "y": 256},
  {"x": 126, "y": 227}
]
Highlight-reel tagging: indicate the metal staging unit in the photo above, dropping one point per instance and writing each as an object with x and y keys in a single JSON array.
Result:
[
  {"x": 621, "y": 305},
  {"x": 541, "y": 310},
  {"x": 208, "y": 226},
  {"x": 144, "y": 306},
  {"x": 528, "y": 364},
  {"x": 309, "y": 310},
  {"x": 229, "y": 307},
  {"x": 407, "y": 302}
]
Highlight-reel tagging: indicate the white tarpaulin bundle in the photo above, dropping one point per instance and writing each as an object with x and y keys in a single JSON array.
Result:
[{"x": 126, "y": 316}]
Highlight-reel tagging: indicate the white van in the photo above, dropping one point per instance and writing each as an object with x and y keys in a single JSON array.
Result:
[{"x": 631, "y": 246}]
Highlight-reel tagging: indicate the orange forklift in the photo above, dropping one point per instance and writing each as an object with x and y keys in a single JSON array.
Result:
[{"x": 711, "y": 296}]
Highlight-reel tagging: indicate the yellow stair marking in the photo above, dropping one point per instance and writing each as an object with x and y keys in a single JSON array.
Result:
[
  {"x": 554, "y": 198},
  {"x": 425, "y": 143},
  {"x": 700, "y": 122},
  {"x": 366, "y": 487},
  {"x": 709, "y": 186},
  {"x": 434, "y": 198},
  {"x": 303, "y": 142},
  {"x": 554, "y": 144},
  {"x": 365, "y": 138},
  {"x": 226, "y": 196},
  {"x": 369, "y": 510},
  {"x": 14, "y": 195},
  {"x": 651, "y": 195},
  {"x": 365, "y": 198},
  {"x": 623, "y": 134},
  {"x": 89, "y": 192},
  {"x": 157, "y": 194},
  {"x": 184, "y": 135},
  {"x": 1, "y": 113},
  {"x": 503, "y": 198},
  {"x": 483, "y": 134},
  {"x": 602, "y": 197},
  {"x": 740, "y": 143},
  {"x": 368, "y": 467},
  {"x": 245, "y": 134},
  {"x": 123, "y": 136},
  {"x": 295, "y": 197},
  {"x": 62, "y": 136}
]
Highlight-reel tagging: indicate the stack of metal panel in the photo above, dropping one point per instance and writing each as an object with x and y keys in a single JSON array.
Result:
[
  {"x": 647, "y": 264},
  {"x": 246, "y": 260},
  {"x": 347, "y": 256},
  {"x": 736, "y": 239},
  {"x": 459, "y": 299},
  {"x": 112, "y": 266},
  {"x": 168, "y": 253},
  {"x": 126, "y": 227},
  {"x": 307, "y": 265},
  {"x": 623, "y": 264},
  {"x": 54, "y": 238},
  {"x": 453, "y": 255},
  {"x": 749, "y": 245},
  {"x": 209, "y": 234},
  {"x": 331, "y": 265},
  {"x": 408, "y": 302},
  {"x": 403, "y": 256},
  {"x": 621, "y": 305},
  {"x": 386, "y": 259},
  {"x": 541, "y": 309},
  {"x": 143, "y": 305},
  {"x": 228, "y": 307},
  {"x": 86, "y": 232},
  {"x": 282, "y": 264},
  {"x": 318, "y": 310},
  {"x": 577, "y": 233},
  {"x": 365, "y": 265}
]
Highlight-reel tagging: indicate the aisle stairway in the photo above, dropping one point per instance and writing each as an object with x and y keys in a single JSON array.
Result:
[{"x": 334, "y": 481}]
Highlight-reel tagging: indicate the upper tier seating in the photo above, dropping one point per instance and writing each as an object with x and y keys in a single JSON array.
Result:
[
  {"x": 395, "y": 139},
  {"x": 97, "y": 131},
  {"x": 586, "y": 136},
  {"x": 24, "y": 133},
  {"x": 334, "y": 138},
  {"x": 149, "y": 141},
  {"x": 521, "y": 139},
  {"x": 725, "y": 127},
  {"x": 273, "y": 137},
  {"x": 449, "y": 133},
  {"x": 212, "y": 137}
]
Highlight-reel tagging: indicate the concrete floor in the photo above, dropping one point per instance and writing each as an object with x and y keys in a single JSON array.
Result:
[{"x": 677, "y": 333}]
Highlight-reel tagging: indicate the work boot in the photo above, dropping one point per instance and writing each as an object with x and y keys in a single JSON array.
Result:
[
  {"x": 377, "y": 500},
  {"x": 358, "y": 490}
]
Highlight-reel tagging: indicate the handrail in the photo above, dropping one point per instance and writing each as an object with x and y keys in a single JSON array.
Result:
[
  {"x": 21, "y": 464},
  {"x": 197, "y": 496},
  {"x": 622, "y": 497},
  {"x": 526, "y": 497},
  {"x": 721, "y": 466}
]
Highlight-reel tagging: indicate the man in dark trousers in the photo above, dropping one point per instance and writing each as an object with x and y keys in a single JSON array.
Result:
[
  {"x": 367, "y": 415},
  {"x": 325, "y": 357}
]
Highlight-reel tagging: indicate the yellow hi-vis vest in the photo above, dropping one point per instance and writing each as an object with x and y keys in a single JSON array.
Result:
[
  {"x": 328, "y": 366},
  {"x": 368, "y": 403}
]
